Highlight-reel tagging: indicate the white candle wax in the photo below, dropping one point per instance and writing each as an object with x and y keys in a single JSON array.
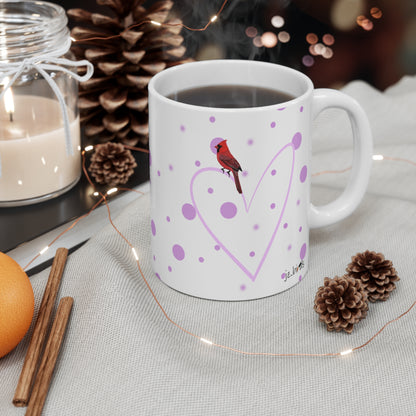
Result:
[{"x": 32, "y": 150}]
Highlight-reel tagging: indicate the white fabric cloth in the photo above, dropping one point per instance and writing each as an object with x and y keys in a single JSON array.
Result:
[{"x": 122, "y": 357}]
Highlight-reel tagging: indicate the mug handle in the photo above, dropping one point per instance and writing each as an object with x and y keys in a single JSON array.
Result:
[{"x": 348, "y": 201}]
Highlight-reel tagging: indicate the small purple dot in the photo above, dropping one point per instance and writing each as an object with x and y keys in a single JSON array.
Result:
[
  {"x": 250, "y": 142},
  {"x": 252, "y": 253},
  {"x": 272, "y": 206},
  {"x": 158, "y": 173},
  {"x": 178, "y": 252},
  {"x": 182, "y": 127},
  {"x": 197, "y": 163},
  {"x": 243, "y": 287},
  {"x": 245, "y": 173},
  {"x": 273, "y": 172},
  {"x": 256, "y": 226},
  {"x": 303, "y": 251},
  {"x": 154, "y": 258},
  {"x": 188, "y": 211},
  {"x": 169, "y": 268},
  {"x": 297, "y": 140},
  {"x": 157, "y": 275},
  {"x": 289, "y": 247},
  {"x": 273, "y": 124},
  {"x": 210, "y": 190},
  {"x": 228, "y": 210},
  {"x": 153, "y": 226},
  {"x": 303, "y": 174},
  {"x": 301, "y": 109},
  {"x": 201, "y": 259},
  {"x": 285, "y": 225},
  {"x": 283, "y": 276},
  {"x": 170, "y": 167},
  {"x": 298, "y": 202},
  {"x": 217, "y": 247},
  {"x": 300, "y": 229},
  {"x": 212, "y": 119},
  {"x": 300, "y": 278},
  {"x": 168, "y": 219},
  {"x": 281, "y": 109}
]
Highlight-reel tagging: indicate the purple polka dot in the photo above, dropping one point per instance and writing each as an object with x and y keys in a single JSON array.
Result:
[
  {"x": 168, "y": 219},
  {"x": 243, "y": 287},
  {"x": 158, "y": 173},
  {"x": 169, "y": 268},
  {"x": 245, "y": 173},
  {"x": 210, "y": 190},
  {"x": 300, "y": 229},
  {"x": 281, "y": 109},
  {"x": 297, "y": 140},
  {"x": 152, "y": 224},
  {"x": 303, "y": 251},
  {"x": 283, "y": 276},
  {"x": 188, "y": 211},
  {"x": 273, "y": 124},
  {"x": 303, "y": 174},
  {"x": 273, "y": 172},
  {"x": 285, "y": 225},
  {"x": 182, "y": 127},
  {"x": 252, "y": 253},
  {"x": 214, "y": 142},
  {"x": 157, "y": 275},
  {"x": 228, "y": 210},
  {"x": 289, "y": 247},
  {"x": 170, "y": 167},
  {"x": 217, "y": 247},
  {"x": 272, "y": 206},
  {"x": 298, "y": 202},
  {"x": 201, "y": 259},
  {"x": 301, "y": 109},
  {"x": 178, "y": 252},
  {"x": 250, "y": 142},
  {"x": 212, "y": 119},
  {"x": 300, "y": 278},
  {"x": 154, "y": 258},
  {"x": 256, "y": 226},
  {"x": 197, "y": 163}
]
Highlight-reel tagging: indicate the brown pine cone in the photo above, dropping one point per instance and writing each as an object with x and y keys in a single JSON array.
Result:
[
  {"x": 114, "y": 102},
  {"x": 112, "y": 164},
  {"x": 341, "y": 303},
  {"x": 376, "y": 274}
]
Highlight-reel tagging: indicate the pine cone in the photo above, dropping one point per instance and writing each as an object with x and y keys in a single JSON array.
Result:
[
  {"x": 376, "y": 274},
  {"x": 113, "y": 103},
  {"x": 341, "y": 303},
  {"x": 112, "y": 164}
]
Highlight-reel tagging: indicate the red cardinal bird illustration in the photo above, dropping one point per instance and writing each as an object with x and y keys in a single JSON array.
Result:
[{"x": 228, "y": 162}]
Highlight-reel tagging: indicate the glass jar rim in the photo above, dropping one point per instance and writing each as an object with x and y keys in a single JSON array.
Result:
[{"x": 30, "y": 28}]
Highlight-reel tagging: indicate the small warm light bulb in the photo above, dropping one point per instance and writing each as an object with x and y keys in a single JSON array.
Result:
[
  {"x": 214, "y": 18},
  {"x": 88, "y": 148},
  {"x": 135, "y": 254},
  {"x": 44, "y": 250},
  {"x": 346, "y": 352},
  {"x": 206, "y": 341},
  {"x": 111, "y": 191},
  {"x": 155, "y": 23},
  {"x": 378, "y": 157},
  {"x": 96, "y": 193}
]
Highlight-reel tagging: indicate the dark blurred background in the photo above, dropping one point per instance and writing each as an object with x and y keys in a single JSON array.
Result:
[{"x": 333, "y": 41}]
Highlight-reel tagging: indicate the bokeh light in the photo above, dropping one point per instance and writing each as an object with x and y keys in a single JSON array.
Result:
[
  {"x": 328, "y": 39},
  {"x": 308, "y": 60},
  {"x": 269, "y": 39},
  {"x": 278, "y": 21},
  {"x": 344, "y": 12},
  {"x": 251, "y": 31},
  {"x": 257, "y": 41},
  {"x": 311, "y": 38},
  {"x": 376, "y": 13},
  {"x": 283, "y": 36},
  {"x": 328, "y": 53}
]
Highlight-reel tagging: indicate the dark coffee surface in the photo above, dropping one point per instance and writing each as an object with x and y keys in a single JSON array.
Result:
[{"x": 230, "y": 96}]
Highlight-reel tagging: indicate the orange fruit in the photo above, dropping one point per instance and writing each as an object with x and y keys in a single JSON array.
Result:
[{"x": 17, "y": 304}]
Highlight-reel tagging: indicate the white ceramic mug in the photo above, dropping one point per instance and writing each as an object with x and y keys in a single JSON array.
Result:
[{"x": 209, "y": 240}]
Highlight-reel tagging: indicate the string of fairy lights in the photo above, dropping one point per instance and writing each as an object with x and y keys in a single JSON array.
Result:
[{"x": 136, "y": 255}]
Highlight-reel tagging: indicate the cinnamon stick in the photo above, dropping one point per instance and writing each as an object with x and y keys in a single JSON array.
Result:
[
  {"x": 27, "y": 376},
  {"x": 47, "y": 366}
]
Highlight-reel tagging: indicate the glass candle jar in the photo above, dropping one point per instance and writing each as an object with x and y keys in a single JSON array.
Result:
[{"x": 40, "y": 147}]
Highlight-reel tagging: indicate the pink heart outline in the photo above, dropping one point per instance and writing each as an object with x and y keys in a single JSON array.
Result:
[{"x": 247, "y": 208}]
